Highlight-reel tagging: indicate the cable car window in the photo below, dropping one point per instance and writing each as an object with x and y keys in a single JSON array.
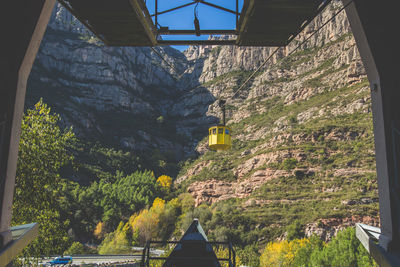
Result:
[
  {"x": 214, "y": 131},
  {"x": 226, "y": 131},
  {"x": 220, "y": 131}
]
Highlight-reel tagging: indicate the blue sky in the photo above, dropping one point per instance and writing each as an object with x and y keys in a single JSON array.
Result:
[{"x": 209, "y": 17}]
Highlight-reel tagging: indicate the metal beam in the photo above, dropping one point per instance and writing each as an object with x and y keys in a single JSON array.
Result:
[
  {"x": 193, "y": 32},
  {"x": 219, "y": 7},
  {"x": 172, "y": 9},
  {"x": 368, "y": 236},
  {"x": 144, "y": 17},
  {"x": 196, "y": 42}
]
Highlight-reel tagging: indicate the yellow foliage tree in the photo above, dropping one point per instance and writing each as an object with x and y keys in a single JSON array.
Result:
[
  {"x": 282, "y": 253},
  {"x": 100, "y": 230},
  {"x": 157, "y": 222},
  {"x": 223, "y": 253},
  {"x": 144, "y": 225},
  {"x": 158, "y": 204},
  {"x": 116, "y": 242},
  {"x": 165, "y": 181},
  {"x": 272, "y": 254}
]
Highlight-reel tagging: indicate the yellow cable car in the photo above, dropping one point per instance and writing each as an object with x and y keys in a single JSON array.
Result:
[{"x": 219, "y": 136}]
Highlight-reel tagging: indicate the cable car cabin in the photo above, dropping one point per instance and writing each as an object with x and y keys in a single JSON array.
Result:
[{"x": 219, "y": 137}]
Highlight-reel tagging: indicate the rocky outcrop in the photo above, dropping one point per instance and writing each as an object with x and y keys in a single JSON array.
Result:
[
  {"x": 328, "y": 228},
  {"x": 212, "y": 191},
  {"x": 266, "y": 147},
  {"x": 110, "y": 94}
]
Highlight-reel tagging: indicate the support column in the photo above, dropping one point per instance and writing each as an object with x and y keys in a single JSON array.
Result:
[
  {"x": 22, "y": 25},
  {"x": 375, "y": 27}
]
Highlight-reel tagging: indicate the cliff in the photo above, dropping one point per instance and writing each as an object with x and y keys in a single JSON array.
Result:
[{"x": 302, "y": 128}]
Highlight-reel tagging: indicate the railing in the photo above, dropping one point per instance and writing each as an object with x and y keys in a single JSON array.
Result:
[{"x": 146, "y": 257}]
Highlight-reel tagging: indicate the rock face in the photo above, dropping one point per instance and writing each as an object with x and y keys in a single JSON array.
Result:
[
  {"x": 212, "y": 191},
  {"x": 331, "y": 60},
  {"x": 106, "y": 93},
  {"x": 131, "y": 99},
  {"x": 302, "y": 131},
  {"x": 115, "y": 94},
  {"x": 328, "y": 228}
]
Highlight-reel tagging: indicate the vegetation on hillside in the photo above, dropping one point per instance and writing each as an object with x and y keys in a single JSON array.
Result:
[
  {"x": 60, "y": 205},
  {"x": 343, "y": 250},
  {"x": 322, "y": 143},
  {"x": 115, "y": 199},
  {"x": 121, "y": 211},
  {"x": 106, "y": 201},
  {"x": 43, "y": 150}
]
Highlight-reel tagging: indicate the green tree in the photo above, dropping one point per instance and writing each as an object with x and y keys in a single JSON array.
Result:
[
  {"x": 343, "y": 250},
  {"x": 249, "y": 255},
  {"x": 43, "y": 150},
  {"x": 75, "y": 249}
]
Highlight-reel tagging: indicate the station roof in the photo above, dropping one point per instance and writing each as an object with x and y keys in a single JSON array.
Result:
[
  {"x": 193, "y": 249},
  {"x": 115, "y": 22},
  {"x": 275, "y": 22},
  {"x": 261, "y": 23}
]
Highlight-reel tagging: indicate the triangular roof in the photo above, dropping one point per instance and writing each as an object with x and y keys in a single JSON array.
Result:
[{"x": 193, "y": 249}]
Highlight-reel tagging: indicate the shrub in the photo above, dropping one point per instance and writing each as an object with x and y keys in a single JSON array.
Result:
[
  {"x": 165, "y": 182},
  {"x": 289, "y": 164},
  {"x": 100, "y": 230},
  {"x": 78, "y": 248},
  {"x": 295, "y": 231}
]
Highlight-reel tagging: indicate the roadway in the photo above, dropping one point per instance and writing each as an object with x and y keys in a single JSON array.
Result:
[{"x": 100, "y": 259}]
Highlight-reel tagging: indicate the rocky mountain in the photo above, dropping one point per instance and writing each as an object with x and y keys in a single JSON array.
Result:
[
  {"x": 106, "y": 93},
  {"x": 302, "y": 128}
]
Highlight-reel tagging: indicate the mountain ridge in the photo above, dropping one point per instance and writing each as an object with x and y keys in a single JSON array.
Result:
[{"x": 303, "y": 120}]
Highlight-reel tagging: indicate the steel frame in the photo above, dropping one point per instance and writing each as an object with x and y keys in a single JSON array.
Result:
[{"x": 166, "y": 31}]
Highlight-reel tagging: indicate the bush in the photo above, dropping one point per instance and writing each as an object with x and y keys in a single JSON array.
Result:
[
  {"x": 295, "y": 231},
  {"x": 165, "y": 182},
  {"x": 78, "y": 248},
  {"x": 289, "y": 164}
]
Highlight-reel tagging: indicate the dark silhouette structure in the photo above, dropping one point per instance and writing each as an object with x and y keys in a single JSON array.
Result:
[{"x": 193, "y": 250}]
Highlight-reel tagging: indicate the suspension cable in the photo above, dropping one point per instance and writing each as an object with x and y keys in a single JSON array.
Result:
[
  {"x": 302, "y": 43},
  {"x": 168, "y": 63},
  {"x": 268, "y": 59}
]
